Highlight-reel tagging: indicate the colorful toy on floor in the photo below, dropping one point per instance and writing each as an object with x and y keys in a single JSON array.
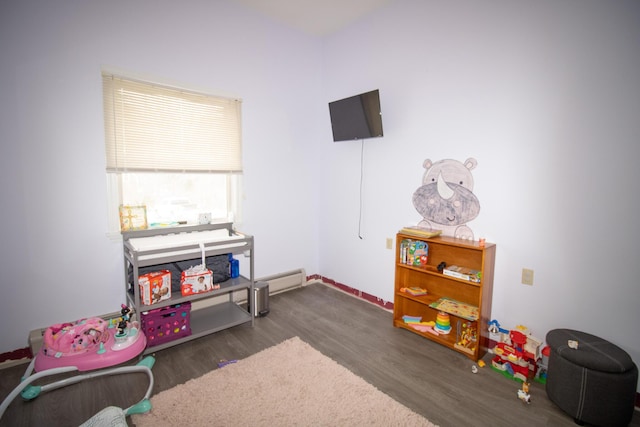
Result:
[
  {"x": 223, "y": 363},
  {"x": 517, "y": 352},
  {"x": 89, "y": 344},
  {"x": 523, "y": 393},
  {"x": 543, "y": 365}
]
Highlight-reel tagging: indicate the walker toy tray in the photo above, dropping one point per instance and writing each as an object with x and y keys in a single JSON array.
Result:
[{"x": 106, "y": 351}]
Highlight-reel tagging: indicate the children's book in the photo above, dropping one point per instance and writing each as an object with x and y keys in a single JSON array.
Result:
[
  {"x": 415, "y": 291},
  {"x": 415, "y": 230},
  {"x": 463, "y": 273}
]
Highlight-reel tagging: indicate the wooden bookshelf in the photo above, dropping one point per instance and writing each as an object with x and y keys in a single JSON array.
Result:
[{"x": 466, "y": 296}]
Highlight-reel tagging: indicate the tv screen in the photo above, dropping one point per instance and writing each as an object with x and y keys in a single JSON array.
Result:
[{"x": 356, "y": 117}]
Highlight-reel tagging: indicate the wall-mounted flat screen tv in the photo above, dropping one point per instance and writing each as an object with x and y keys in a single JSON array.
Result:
[{"x": 356, "y": 117}]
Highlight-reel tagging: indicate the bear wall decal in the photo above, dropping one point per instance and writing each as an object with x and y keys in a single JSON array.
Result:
[{"x": 446, "y": 200}]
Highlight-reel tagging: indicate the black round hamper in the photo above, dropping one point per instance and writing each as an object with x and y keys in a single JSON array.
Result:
[{"x": 595, "y": 382}]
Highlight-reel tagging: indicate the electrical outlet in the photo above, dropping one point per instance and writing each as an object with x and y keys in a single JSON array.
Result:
[
  {"x": 527, "y": 277},
  {"x": 204, "y": 218},
  {"x": 389, "y": 243}
]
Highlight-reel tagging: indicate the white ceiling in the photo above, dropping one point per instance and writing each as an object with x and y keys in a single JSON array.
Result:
[{"x": 315, "y": 17}]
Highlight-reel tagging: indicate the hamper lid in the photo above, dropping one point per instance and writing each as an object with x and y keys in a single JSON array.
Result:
[{"x": 592, "y": 352}]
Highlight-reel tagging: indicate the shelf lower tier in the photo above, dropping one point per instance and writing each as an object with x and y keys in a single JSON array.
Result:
[
  {"x": 456, "y": 308},
  {"x": 207, "y": 321},
  {"x": 447, "y": 340},
  {"x": 231, "y": 285}
]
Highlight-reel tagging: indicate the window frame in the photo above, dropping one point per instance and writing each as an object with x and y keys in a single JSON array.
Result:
[{"x": 228, "y": 142}]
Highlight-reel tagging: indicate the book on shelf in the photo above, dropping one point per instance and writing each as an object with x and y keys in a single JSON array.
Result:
[
  {"x": 415, "y": 291},
  {"x": 463, "y": 273},
  {"x": 415, "y": 230},
  {"x": 414, "y": 252}
]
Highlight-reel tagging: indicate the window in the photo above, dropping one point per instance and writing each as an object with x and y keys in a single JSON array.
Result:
[{"x": 177, "y": 152}]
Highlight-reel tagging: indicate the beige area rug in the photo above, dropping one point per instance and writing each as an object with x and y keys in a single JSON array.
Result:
[{"x": 290, "y": 384}]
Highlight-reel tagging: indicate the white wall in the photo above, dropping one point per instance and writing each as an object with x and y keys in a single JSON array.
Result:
[
  {"x": 58, "y": 263},
  {"x": 545, "y": 95}
]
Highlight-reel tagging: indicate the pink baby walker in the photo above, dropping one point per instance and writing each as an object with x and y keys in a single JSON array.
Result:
[{"x": 88, "y": 345}]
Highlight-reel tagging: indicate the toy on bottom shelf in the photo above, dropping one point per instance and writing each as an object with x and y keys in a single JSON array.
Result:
[
  {"x": 416, "y": 323},
  {"x": 467, "y": 337},
  {"x": 443, "y": 323}
]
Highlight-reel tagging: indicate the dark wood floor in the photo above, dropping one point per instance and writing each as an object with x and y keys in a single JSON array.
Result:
[{"x": 426, "y": 377}]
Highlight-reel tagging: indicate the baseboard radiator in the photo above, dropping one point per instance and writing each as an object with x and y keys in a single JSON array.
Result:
[
  {"x": 280, "y": 282},
  {"x": 285, "y": 281}
]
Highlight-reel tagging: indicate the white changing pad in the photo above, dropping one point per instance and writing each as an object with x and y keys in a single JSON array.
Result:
[{"x": 209, "y": 238}]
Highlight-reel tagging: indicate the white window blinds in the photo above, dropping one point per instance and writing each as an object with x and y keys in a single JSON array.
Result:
[{"x": 155, "y": 128}]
